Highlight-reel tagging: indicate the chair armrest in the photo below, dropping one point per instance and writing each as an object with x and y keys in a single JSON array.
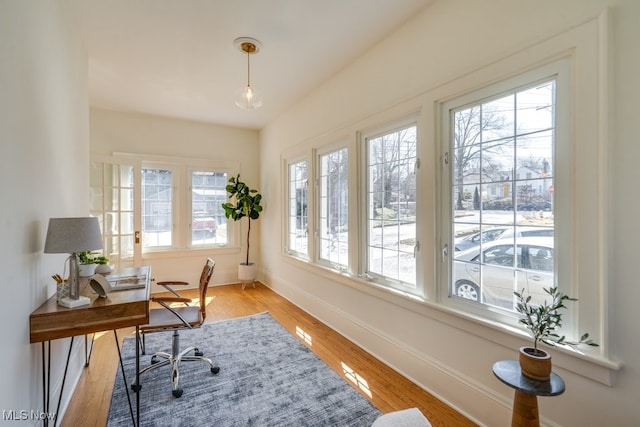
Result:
[
  {"x": 167, "y": 285},
  {"x": 170, "y": 299},
  {"x": 171, "y": 282}
]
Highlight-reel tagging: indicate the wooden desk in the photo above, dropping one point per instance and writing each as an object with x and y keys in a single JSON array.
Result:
[
  {"x": 525, "y": 401},
  {"x": 120, "y": 309}
]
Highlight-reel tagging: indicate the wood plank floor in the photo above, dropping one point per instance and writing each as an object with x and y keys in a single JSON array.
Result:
[{"x": 384, "y": 387}]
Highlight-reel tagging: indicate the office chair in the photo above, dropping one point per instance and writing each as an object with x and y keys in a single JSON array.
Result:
[{"x": 174, "y": 319}]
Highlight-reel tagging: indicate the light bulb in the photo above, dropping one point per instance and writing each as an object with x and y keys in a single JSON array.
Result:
[{"x": 248, "y": 98}]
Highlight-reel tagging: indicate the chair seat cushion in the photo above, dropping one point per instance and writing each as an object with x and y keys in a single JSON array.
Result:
[{"x": 161, "y": 318}]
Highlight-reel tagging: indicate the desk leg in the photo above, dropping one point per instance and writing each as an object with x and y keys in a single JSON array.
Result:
[
  {"x": 46, "y": 381},
  {"x": 138, "y": 385},
  {"x": 45, "y": 384},
  {"x": 124, "y": 379},
  {"x": 525, "y": 410}
]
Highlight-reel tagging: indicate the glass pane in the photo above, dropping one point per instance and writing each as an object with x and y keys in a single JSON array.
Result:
[
  {"x": 157, "y": 201},
  {"x": 392, "y": 204},
  {"x": 207, "y": 195},
  {"x": 298, "y": 207},
  {"x": 126, "y": 223},
  {"x": 510, "y": 177},
  {"x": 95, "y": 174},
  {"x": 334, "y": 207},
  {"x": 535, "y": 108},
  {"x": 126, "y": 176},
  {"x": 96, "y": 198},
  {"x": 126, "y": 199}
]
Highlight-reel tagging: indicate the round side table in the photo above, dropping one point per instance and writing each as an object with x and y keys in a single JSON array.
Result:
[{"x": 525, "y": 401}]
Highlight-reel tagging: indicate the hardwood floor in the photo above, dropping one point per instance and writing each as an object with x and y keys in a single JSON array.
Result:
[{"x": 385, "y": 388}]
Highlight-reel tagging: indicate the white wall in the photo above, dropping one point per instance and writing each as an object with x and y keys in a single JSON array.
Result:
[
  {"x": 44, "y": 153},
  {"x": 450, "y": 357},
  {"x": 113, "y": 132}
]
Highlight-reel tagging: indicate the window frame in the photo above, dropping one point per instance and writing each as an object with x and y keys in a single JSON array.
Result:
[
  {"x": 310, "y": 218},
  {"x": 175, "y": 214},
  {"x": 189, "y": 205},
  {"x": 560, "y": 70},
  {"x": 404, "y": 122},
  {"x": 318, "y": 155},
  {"x": 182, "y": 168}
]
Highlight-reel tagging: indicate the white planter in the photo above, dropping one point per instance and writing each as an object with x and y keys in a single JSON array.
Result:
[
  {"x": 103, "y": 269},
  {"x": 246, "y": 273},
  {"x": 87, "y": 270}
]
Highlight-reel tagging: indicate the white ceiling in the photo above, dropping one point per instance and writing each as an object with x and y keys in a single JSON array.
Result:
[{"x": 176, "y": 58}]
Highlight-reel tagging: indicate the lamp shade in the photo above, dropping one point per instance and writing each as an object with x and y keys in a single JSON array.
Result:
[{"x": 70, "y": 235}]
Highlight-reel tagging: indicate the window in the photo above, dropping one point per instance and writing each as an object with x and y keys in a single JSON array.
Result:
[
  {"x": 112, "y": 202},
  {"x": 334, "y": 208},
  {"x": 501, "y": 151},
  {"x": 208, "y": 222},
  {"x": 298, "y": 227},
  {"x": 391, "y": 242},
  {"x": 157, "y": 207}
]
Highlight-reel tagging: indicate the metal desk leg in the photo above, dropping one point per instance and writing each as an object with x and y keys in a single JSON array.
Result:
[
  {"x": 46, "y": 381},
  {"x": 124, "y": 378}
]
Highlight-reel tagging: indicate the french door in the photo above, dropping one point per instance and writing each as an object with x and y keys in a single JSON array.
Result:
[{"x": 115, "y": 200}]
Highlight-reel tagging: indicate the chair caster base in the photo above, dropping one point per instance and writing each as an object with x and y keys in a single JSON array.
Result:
[
  {"x": 136, "y": 387},
  {"x": 215, "y": 370},
  {"x": 177, "y": 392}
]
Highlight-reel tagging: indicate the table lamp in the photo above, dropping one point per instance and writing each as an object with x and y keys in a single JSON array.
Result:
[{"x": 70, "y": 236}]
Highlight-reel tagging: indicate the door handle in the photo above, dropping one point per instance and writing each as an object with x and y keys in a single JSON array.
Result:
[{"x": 137, "y": 237}]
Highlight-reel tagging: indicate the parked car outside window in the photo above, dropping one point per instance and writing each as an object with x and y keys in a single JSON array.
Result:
[
  {"x": 504, "y": 266},
  {"x": 501, "y": 232}
]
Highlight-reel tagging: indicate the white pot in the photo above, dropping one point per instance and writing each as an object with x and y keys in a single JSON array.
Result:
[
  {"x": 247, "y": 273},
  {"x": 87, "y": 270},
  {"x": 103, "y": 269}
]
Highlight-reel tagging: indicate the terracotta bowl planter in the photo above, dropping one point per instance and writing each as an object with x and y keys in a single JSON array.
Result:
[{"x": 536, "y": 367}]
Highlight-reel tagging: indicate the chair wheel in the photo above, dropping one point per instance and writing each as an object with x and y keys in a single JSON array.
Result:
[
  {"x": 177, "y": 392},
  {"x": 199, "y": 353},
  {"x": 154, "y": 360},
  {"x": 215, "y": 370}
]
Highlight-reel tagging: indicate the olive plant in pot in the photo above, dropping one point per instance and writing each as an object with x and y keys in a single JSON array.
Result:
[
  {"x": 543, "y": 321},
  {"x": 244, "y": 202}
]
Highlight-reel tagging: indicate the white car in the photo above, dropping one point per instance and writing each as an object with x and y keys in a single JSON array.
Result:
[
  {"x": 500, "y": 232},
  {"x": 493, "y": 274}
]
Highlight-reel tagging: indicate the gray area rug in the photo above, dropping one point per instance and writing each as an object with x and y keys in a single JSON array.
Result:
[{"x": 267, "y": 378}]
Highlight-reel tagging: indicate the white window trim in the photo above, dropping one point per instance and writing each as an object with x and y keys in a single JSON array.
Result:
[
  {"x": 585, "y": 47},
  {"x": 287, "y": 161},
  {"x": 362, "y": 196}
]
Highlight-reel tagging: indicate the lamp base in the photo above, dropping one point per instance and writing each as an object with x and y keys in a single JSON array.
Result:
[{"x": 73, "y": 303}]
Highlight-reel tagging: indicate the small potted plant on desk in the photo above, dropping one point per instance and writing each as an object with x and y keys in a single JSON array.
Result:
[
  {"x": 91, "y": 263},
  {"x": 245, "y": 202},
  {"x": 543, "y": 321}
]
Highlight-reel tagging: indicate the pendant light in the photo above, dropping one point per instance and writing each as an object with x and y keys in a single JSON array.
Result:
[{"x": 248, "y": 98}]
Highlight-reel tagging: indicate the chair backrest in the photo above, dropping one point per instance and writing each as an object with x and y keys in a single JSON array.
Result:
[{"x": 205, "y": 276}]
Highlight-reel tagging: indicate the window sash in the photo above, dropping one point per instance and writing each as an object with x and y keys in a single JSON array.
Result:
[
  {"x": 390, "y": 205},
  {"x": 333, "y": 223},
  {"x": 298, "y": 227}
]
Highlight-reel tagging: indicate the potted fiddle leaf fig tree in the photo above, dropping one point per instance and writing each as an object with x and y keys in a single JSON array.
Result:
[
  {"x": 543, "y": 321},
  {"x": 244, "y": 202}
]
